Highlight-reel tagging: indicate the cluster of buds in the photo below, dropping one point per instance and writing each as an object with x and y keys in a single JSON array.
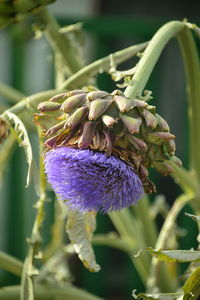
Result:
[
  {"x": 129, "y": 129},
  {"x": 15, "y": 10}
]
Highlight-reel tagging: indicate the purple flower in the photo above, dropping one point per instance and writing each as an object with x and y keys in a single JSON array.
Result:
[{"x": 89, "y": 180}]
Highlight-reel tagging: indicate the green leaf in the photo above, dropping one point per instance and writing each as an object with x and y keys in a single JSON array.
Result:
[
  {"x": 80, "y": 230},
  {"x": 192, "y": 286},
  {"x": 164, "y": 296},
  {"x": 175, "y": 255},
  {"x": 23, "y": 139}
]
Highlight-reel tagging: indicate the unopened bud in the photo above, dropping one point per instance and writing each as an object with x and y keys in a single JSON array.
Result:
[
  {"x": 48, "y": 106},
  {"x": 132, "y": 124},
  {"x": 150, "y": 119},
  {"x": 139, "y": 103},
  {"x": 162, "y": 123},
  {"x": 97, "y": 108},
  {"x": 87, "y": 135},
  {"x": 163, "y": 167},
  {"x": 55, "y": 128},
  {"x": 59, "y": 97},
  {"x": 176, "y": 160},
  {"x": 108, "y": 120},
  {"x": 159, "y": 138},
  {"x": 124, "y": 104},
  {"x": 72, "y": 102},
  {"x": 96, "y": 95},
  {"x": 171, "y": 147},
  {"x": 137, "y": 143},
  {"x": 77, "y": 117}
]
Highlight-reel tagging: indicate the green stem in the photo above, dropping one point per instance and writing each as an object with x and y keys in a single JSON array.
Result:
[
  {"x": 150, "y": 57},
  {"x": 81, "y": 76},
  {"x": 31, "y": 102},
  {"x": 149, "y": 231},
  {"x": 9, "y": 93},
  {"x": 60, "y": 42},
  {"x": 184, "y": 178},
  {"x": 130, "y": 231},
  {"x": 10, "y": 264},
  {"x": 103, "y": 64},
  {"x": 192, "y": 70},
  {"x": 165, "y": 232},
  {"x": 27, "y": 288},
  {"x": 47, "y": 292},
  {"x": 112, "y": 240}
]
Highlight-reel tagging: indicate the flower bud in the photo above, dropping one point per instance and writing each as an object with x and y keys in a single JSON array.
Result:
[
  {"x": 150, "y": 119},
  {"x": 59, "y": 97},
  {"x": 163, "y": 167},
  {"x": 137, "y": 143},
  {"x": 97, "y": 108},
  {"x": 55, "y": 128},
  {"x": 77, "y": 117},
  {"x": 96, "y": 95},
  {"x": 132, "y": 124},
  {"x": 176, "y": 160},
  {"x": 72, "y": 102},
  {"x": 124, "y": 104},
  {"x": 87, "y": 135},
  {"x": 159, "y": 138},
  {"x": 162, "y": 123},
  {"x": 48, "y": 106},
  {"x": 171, "y": 147},
  {"x": 108, "y": 120}
]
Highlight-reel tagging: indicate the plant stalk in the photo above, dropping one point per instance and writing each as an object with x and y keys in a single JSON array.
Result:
[
  {"x": 150, "y": 57},
  {"x": 60, "y": 42},
  {"x": 163, "y": 235},
  {"x": 47, "y": 292},
  {"x": 10, "y": 264},
  {"x": 192, "y": 71}
]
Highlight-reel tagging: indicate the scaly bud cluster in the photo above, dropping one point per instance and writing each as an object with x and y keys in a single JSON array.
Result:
[
  {"x": 129, "y": 129},
  {"x": 15, "y": 10}
]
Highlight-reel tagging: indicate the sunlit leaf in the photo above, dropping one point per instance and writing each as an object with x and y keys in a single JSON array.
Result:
[
  {"x": 22, "y": 135},
  {"x": 175, "y": 255},
  {"x": 164, "y": 296},
  {"x": 80, "y": 230},
  {"x": 192, "y": 286}
]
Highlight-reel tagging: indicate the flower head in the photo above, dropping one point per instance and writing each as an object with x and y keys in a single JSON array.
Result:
[{"x": 88, "y": 180}]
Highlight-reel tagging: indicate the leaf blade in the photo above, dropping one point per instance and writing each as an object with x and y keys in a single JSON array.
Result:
[{"x": 80, "y": 230}]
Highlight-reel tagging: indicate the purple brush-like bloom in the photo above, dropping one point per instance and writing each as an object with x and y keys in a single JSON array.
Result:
[{"x": 89, "y": 180}]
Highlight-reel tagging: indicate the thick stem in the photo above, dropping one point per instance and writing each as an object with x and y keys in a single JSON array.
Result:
[
  {"x": 27, "y": 288},
  {"x": 10, "y": 93},
  {"x": 148, "y": 225},
  {"x": 10, "y": 264},
  {"x": 60, "y": 42},
  {"x": 130, "y": 231},
  {"x": 150, "y": 57},
  {"x": 164, "y": 234},
  {"x": 43, "y": 292},
  {"x": 103, "y": 64},
  {"x": 192, "y": 70}
]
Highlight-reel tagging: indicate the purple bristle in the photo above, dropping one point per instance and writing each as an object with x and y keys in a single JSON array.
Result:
[{"x": 90, "y": 181}]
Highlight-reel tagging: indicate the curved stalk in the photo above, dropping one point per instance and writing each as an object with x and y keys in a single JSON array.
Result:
[
  {"x": 192, "y": 71},
  {"x": 164, "y": 234},
  {"x": 150, "y": 57}
]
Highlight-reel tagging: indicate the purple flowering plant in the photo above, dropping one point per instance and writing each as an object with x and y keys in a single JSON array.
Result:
[{"x": 95, "y": 152}]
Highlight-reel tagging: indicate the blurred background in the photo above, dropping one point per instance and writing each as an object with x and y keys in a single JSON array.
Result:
[{"x": 27, "y": 65}]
